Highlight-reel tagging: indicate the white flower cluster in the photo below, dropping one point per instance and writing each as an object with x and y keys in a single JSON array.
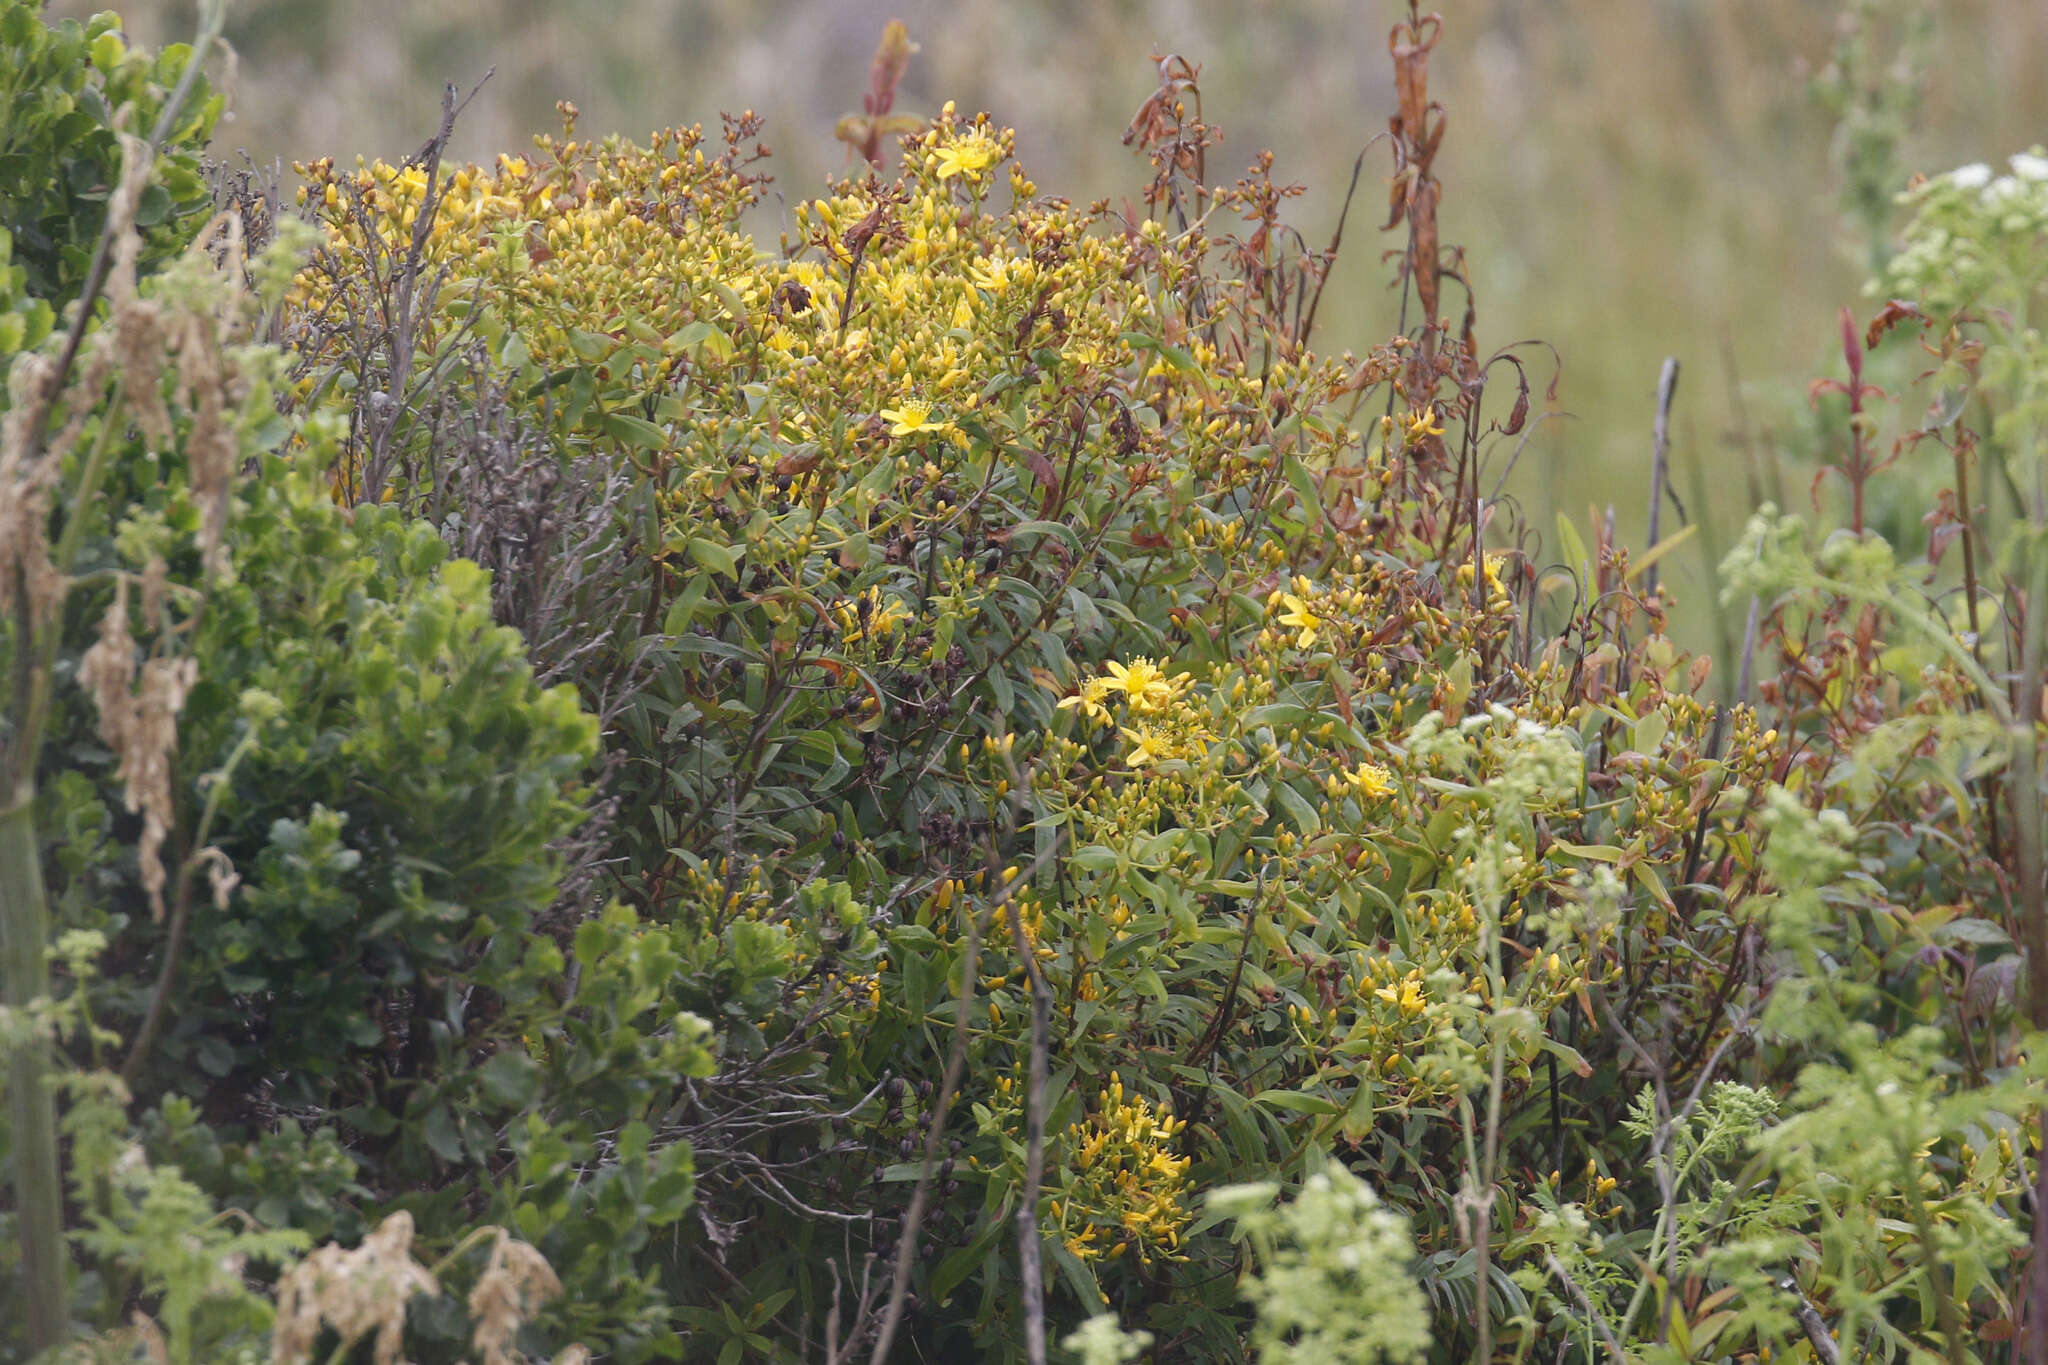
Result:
[
  {"x": 2026, "y": 166},
  {"x": 1332, "y": 1283},
  {"x": 1975, "y": 232}
]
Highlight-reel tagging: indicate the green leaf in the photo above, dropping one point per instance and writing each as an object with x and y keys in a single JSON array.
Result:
[
  {"x": 1304, "y": 485},
  {"x": 439, "y": 1131},
  {"x": 1093, "y": 858},
  {"x": 730, "y": 297},
  {"x": 1296, "y": 1102},
  {"x": 510, "y": 1079},
  {"x": 715, "y": 557},
  {"x": 635, "y": 432},
  {"x": 1568, "y": 1055},
  {"x": 1059, "y": 531},
  {"x": 1972, "y": 930},
  {"x": 590, "y": 347},
  {"x": 700, "y": 336},
  {"x": 1572, "y": 550},
  {"x": 1076, "y": 1272},
  {"x": 364, "y": 1119},
  {"x": 1298, "y": 809},
  {"x": 1599, "y": 853},
  {"x": 961, "y": 1263}
]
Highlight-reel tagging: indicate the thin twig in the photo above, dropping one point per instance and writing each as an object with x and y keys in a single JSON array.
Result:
[
  {"x": 1030, "y": 1254},
  {"x": 956, "y": 1064},
  {"x": 1815, "y": 1327},
  {"x": 1336, "y": 241},
  {"x": 1660, "y": 452},
  {"x": 1564, "y": 1277}
]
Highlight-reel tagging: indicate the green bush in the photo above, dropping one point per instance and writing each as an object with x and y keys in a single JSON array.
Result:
[
  {"x": 1074, "y": 751},
  {"x": 403, "y": 721},
  {"x": 60, "y": 152},
  {"x": 1021, "y": 578}
]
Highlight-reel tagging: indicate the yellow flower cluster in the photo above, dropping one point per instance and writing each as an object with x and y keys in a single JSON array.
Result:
[
  {"x": 1422, "y": 425},
  {"x": 577, "y": 251},
  {"x": 869, "y": 615},
  {"x": 1123, "y": 1183},
  {"x": 1162, "y": 726},
  {"x": 1144, "y": 687}
]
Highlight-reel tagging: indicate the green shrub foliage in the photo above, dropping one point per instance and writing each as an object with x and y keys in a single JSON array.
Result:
[
  {"x": 60, "y": 155},
  {"x": 1025, "y": 804}
]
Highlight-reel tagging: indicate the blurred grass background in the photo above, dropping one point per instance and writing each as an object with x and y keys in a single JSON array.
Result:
[{"x": 1632, "y": 178}]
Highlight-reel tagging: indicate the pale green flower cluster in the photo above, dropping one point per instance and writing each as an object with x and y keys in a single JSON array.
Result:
[{"x": 1332, "y": 1284}]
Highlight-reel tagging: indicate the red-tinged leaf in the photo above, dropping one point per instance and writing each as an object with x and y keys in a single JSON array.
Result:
[
  {"x": 1041, "y": 468},
  {"x": 1890, "y": 316},
  {"x": 1425, "y": 261},
  {"x": 1397, "y": 197},
  {"x": 1048, "y": 481},
  {"x": 838, "y": 670},
  {"x": 1519, "y": 414},
  {"x": 1432, "y": 139},
  {"x": 1852, "y": 346},
  {"x": 1821, "y": 386},
  {"x": 1409, "y": 45},
  {"x": 790, "y": 466},
  {"x": 1939, "y": 541}
]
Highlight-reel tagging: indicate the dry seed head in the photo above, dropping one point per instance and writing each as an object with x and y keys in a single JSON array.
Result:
[
  {"x": 354, "y": 1292},
  {"x": 207, "y": 384},
  {"x": 221, "y": 876},
  {"x": 140, "y": 724},
  {"x": 121, "y": 205},
  {"x": 25, "y": 564},
  {"x": 150, "y": 1338},
  {"x": 138, "y": 341},
  {"x": 156, "y": 577},
  {"x": 498, "y": 1304}
]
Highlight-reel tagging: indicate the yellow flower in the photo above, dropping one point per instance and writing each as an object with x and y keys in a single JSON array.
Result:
[
  {"x": 1147, "y": 684},
  {"x": 1406, "y": 997},
  {"x": 868, "y": 617},
  {"x": 1147, "y": 746},
  {"x": 969, "y": 156},
  {"x": 1424, "y": 423},
  {"x": 1370, "y": 780},
  {"x": 1089, "y": 699},
  {"x": 1125, "y": 1181},
  {"x": 1493, "y": 562},
  {"x": 913, "y": 417},
  {"x": 963, "y": 316},
  {"x": 996, "y": 273},
  {"x": 1299, "y": 617}
]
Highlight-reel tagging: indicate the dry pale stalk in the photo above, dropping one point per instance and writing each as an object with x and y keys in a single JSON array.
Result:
[
  {"x": 516, "y": 1280},
  {"x": 358, "y": 1293}
]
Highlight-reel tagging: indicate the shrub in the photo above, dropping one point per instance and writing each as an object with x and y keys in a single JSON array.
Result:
[
  {"x": 1086, "y": 765},
  {"x": 60, "y": 153},
  {"x": 1039, "y": 644}
]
